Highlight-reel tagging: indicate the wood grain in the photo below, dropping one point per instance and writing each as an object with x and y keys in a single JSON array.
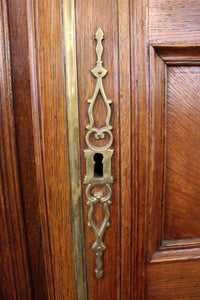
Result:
[
  {"x": 158, "y": 193},
  {"x": 48, "y": 100},
  {"x": 15, "y": 259},
  {"x": 176, "y": 238},
  {"x": 173, "y": 280},
  {"x": 126, "y": 203},
  {"x": 142, "y": 40},
  {"x": 157, "y": 158},
  {"x": 140, "y": 143},
  {"x": 103, "y": 14},
  {"x": 183, "y": 156},
  {"x": 24, "y": 133},
  {"x": 7, "y": 279},
  {"x": 175, "y": 255},
  {"x": 179, "y": 54},
  {"x": 174, "y": 21}
]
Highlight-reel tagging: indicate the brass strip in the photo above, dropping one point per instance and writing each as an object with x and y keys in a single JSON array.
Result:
[{"x": 74, "y": 146}]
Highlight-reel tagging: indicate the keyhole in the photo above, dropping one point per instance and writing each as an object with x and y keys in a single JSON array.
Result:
[{"x": 98, "y": 166}]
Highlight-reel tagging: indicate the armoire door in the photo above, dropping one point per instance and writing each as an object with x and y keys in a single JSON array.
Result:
[
  {"x": 115, "y": 98},
  {"x": 144, "y": 57}
]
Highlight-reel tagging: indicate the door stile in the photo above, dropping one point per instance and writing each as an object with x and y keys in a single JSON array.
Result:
[
  {"x": 140, "y": 148},
  {"x": 125, "y": 146}
]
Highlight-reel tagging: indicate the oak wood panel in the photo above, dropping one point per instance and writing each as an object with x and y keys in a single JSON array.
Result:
[
  {"x": 11, "y": 201},
  {"x": 25, "y": 147},
  {"x": 182, "y": 207},
  {"x": 103, "y": 14},
  {"x": 173, "y": 280},
  {"x": 174, "y": 21},
  {"x": 48, "y": 99},
  {"x": 173, "y": 256},
  {"x": 159, "y": 56}
]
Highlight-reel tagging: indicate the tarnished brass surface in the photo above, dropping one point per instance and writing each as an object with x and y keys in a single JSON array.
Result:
[
  {"x": 105, "y": 179},
  {"x": 74, "y": 146}
]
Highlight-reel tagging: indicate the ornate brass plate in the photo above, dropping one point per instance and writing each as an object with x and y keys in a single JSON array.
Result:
[{"x": 98, "y": 159}]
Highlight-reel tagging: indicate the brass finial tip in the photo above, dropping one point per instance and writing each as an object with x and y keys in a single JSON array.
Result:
[{"x": 99, "y": 34}]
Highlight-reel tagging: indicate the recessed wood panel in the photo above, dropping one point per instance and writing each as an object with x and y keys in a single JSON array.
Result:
[
  {"x": 174, "y": 155},
  {"x": 182, "y": 196}
]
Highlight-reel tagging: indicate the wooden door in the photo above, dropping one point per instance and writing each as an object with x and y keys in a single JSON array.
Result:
[{"x": 151, "y": 51}]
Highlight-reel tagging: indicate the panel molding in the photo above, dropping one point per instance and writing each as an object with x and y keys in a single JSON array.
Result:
[
  {"x": 180, "y": 249},
  {"x": 175, "y": 255},
  {"x": 157, "y": 151},
  {"x": 180, "y": 243},
  {"x": 181, "y": 54}
]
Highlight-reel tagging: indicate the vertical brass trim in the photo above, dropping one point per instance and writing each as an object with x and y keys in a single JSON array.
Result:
[{"x": 74, "y": 146}]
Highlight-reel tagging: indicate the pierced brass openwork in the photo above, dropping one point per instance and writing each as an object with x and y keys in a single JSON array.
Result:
[{"x": 98, "y": 159}]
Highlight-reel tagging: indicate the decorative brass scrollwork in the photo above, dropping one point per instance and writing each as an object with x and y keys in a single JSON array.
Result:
[{"x": 104, "y": 178}]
